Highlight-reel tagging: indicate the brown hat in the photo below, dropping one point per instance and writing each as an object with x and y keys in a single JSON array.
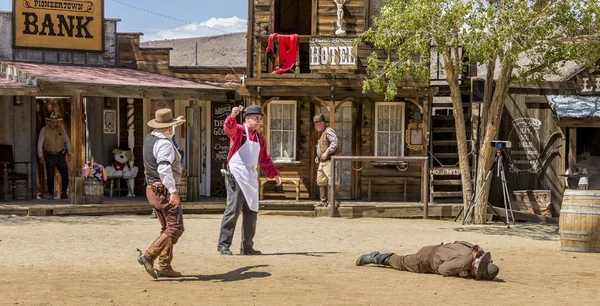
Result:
[
  {"x": 163, "y": 119},
  {"x": 54, "y": 116},
  {"x": 486, "y": 270},
  {"x": 319, "y": 118}
]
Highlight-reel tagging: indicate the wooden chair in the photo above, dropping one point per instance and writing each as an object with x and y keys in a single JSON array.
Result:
[{"x": 11, "y": 180}]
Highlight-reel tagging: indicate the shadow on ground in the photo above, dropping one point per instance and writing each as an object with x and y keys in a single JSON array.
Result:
[
  {"x": 526, "y": 230},
  {"x": 232, "y": 276}
]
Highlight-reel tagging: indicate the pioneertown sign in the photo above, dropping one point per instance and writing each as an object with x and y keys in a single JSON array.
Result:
[
  {"x": 335, "y": 53},
  {"x": 590, "y": 85},
  {"x": 58, "y": 24}
]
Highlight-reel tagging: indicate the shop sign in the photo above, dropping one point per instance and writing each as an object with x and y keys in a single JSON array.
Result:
[
  {"x": 334, "y": 53},
  {"x": 525, "y": 155},
  {"x": 58, "y": 24},
  {"x": 590, "y": 85}
]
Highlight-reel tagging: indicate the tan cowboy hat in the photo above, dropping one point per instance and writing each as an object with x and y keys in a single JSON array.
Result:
[
  {"x": 54, "y": 116},
  {"x": 163, "y": 119},
  {"x": 487, "y": 270}
]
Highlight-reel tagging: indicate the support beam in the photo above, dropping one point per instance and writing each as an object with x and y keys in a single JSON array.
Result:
[
  {"x": 131, "y": 140},
  {"x": 77, "y": 150}
]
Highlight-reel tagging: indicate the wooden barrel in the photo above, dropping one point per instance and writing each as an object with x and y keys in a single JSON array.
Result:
[
  {"x": 579, "y": 225},
  {"x": 182, "y": 189},
  {"x": 93, "y": 191}
]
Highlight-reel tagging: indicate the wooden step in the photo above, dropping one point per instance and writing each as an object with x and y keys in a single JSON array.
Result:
[
  {"x": 442, "y": 117},
  {"x": 445, "y": 155},
  {"x": 447, "y": 194},
  {"x": 445, "y": 142},
  {"x": 447, "y": 182},
  {"x": 444, "y": 130}
]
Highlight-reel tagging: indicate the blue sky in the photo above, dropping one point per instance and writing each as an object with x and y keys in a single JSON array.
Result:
[{"x": 224, "y": 15}]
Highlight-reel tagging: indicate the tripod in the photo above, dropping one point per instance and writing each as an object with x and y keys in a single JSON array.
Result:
[{"x": 500, "y": 173}]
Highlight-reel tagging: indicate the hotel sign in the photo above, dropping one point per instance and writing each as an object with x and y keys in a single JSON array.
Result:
[
  {"x": 58, "y": 24},
  {"x": 332, "y": 54},
  {"x": 590, "y": 85}
]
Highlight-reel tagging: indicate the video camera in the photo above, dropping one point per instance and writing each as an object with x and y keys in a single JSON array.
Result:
[{"x": 501, "y": 144}]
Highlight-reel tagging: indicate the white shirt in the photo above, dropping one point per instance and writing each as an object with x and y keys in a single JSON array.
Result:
[{"x": 164, "y": 151}]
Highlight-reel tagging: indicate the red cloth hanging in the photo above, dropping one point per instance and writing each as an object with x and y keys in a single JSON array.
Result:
[{"x": 286, "y": 45}]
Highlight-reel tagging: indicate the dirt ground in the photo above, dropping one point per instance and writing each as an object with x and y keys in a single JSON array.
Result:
[{"x": 307, "y": 261}]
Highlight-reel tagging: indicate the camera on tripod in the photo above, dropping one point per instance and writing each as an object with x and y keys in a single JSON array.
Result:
[{"x": 501, "y": 144}]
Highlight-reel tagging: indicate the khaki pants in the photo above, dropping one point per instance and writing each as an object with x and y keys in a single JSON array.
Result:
[
  {"x": 324, "y": 173},
  {"x": 421, "y": 262}
]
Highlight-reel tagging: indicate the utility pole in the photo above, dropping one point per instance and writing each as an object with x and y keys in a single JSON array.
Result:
[{"x": 196, "y": 64}]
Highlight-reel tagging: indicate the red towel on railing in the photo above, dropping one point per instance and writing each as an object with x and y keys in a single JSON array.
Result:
[{"x": 286, "y": 44}]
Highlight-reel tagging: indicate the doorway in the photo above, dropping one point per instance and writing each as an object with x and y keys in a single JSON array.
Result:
[{"x": 295, "y": 17}]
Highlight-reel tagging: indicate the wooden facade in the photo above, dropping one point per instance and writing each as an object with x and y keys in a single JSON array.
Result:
[
  {"x": 89, "y": 85},
  {"x": 333, "y": 86}
]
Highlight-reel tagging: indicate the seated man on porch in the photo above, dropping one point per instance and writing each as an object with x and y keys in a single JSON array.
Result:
[
  {"x": 459, "y": 258},
  {"x": 54, "y": 150}
]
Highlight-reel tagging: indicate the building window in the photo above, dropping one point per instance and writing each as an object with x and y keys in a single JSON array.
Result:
[
  {"x": 282, "y": 130},
  {"x": 389, "y": 129}
]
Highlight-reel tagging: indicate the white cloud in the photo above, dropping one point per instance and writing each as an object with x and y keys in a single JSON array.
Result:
[{"x": 213, "y": 26}]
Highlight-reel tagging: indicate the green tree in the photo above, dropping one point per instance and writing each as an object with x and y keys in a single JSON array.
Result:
[{"x": 498, "y": 34}]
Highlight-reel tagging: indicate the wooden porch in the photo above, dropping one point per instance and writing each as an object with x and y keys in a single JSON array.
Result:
[{"x": 303, "y": 208}]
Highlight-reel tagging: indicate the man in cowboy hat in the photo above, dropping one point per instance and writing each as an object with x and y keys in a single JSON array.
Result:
[
  {"x": 247, "y": 152},
  {"x": 163, "y": 171},
  {"x": 327, "y": 146},
  {"x": 459, "y": 258},
  {"x": 54, "y": 149}
]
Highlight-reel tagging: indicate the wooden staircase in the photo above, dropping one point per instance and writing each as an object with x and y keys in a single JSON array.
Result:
[{"x": 445, "y": 180}]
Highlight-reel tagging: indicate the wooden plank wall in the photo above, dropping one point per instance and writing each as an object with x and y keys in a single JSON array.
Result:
[
  {"x": 354, "y": 16},
  {"x": 386, "y": 191},
  {"x": 303, "y": 150},
  {"x": 550, "y": 144}
]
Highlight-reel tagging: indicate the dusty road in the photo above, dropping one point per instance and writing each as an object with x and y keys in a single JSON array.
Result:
[{"x": 307, "y": 261}]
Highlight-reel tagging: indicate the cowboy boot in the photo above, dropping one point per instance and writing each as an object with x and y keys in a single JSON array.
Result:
[
  {"x": 374, "y": 258},
  {"x": 147, "y": 262},
  {"x": 323, "y": 195},
  {"x": 164, "y": 261}
]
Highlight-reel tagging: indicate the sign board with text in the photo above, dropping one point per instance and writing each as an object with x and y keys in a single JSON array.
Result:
[
  {"x": 59, "y": 24},
  {"x": 332, "y": 54}
]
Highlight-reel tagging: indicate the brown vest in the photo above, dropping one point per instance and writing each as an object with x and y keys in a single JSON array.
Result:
[
  {"x": 323, "y": 144},
  {"x": 54, "y": 140}
]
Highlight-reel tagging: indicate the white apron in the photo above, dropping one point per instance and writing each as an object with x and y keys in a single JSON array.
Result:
[{"x": 243, "y": 165}]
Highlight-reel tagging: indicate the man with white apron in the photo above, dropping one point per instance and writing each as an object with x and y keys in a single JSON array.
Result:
[{"x": 247, "y": 152}]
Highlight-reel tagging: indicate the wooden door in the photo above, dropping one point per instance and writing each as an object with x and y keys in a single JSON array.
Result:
[{"x": 344, "y": 127}]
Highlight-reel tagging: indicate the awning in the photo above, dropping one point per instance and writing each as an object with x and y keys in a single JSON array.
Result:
[
  {"x": 12, "y": 88},
  {"x": 108, "y": 82},
  {"x": 575, "y": 106}
]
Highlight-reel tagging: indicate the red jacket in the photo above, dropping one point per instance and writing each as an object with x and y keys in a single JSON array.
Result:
[{"x": 235, "y": 132}]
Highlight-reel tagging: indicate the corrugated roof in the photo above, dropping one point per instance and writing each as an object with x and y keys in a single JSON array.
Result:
[
  {"x": 4, "y": 83},
  {"x": 103, "y": 76},
  {"x": 575, "y": 106}
]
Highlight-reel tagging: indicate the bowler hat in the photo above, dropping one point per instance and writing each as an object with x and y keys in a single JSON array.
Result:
[
  {"x": 54, "y": 116},
  {"x": 319, "y": 118},
  {"x": 163, "y": 119},
  {"x": 486, "y": 270},
  {"x": 253, "y": 110}
]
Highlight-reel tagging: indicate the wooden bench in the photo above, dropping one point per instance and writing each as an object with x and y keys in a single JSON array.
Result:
[
  {"x": 295, "y": 180},
  {"x": 389, "y": 180}
]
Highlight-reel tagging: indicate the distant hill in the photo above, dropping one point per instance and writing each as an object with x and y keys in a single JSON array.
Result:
[{"x": 222, "y": 50}]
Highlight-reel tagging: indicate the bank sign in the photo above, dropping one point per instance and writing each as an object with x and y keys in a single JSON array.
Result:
[{"x": 56, "y": 24}]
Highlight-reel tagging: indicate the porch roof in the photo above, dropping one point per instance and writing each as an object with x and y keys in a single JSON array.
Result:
[
  {"x": 108, "y": 82},
  {"x": 575, "y": 106},
  {"x": 13, "y": 88}
]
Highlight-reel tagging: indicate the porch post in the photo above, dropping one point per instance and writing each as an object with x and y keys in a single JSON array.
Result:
[
  {"x": 130, "y": 140},
  {"x": 194, "y": 127},
  {"x": 77, "y": 150}
]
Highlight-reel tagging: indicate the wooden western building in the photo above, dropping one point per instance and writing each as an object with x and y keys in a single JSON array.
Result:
[
  {"x": 326, "y": 75},
  {"x": 104, "y": 100}
]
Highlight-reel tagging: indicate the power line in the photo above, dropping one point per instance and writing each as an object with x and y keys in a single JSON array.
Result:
[{"x": 169, "y": 17}]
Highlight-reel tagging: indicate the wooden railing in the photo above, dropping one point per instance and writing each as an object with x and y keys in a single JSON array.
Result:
[{"x": 424, "y": 160}]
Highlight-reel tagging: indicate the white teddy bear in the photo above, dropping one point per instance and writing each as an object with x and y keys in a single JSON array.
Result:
[{"x": 122, "y": 166}]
